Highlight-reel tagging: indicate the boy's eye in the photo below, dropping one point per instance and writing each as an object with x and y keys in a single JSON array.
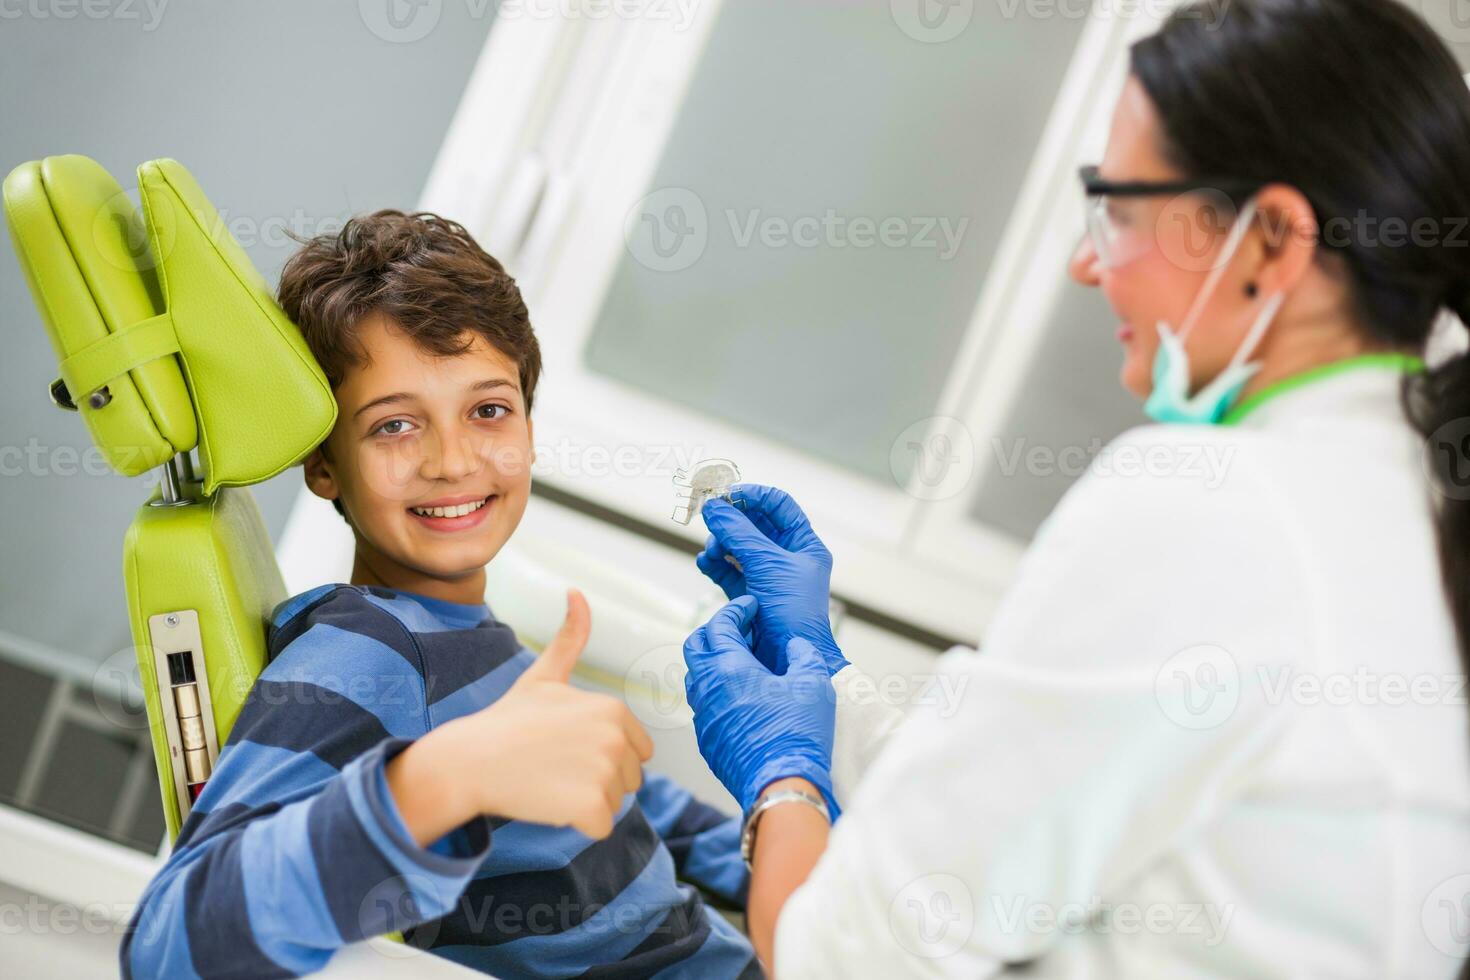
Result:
[
  {"x": 497, "y": 411},
  {"x": 391, "y": 432}
]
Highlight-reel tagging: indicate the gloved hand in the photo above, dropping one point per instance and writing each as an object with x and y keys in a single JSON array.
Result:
[
  {"x": 753, "y": 726},
  {"x": 783, "y": 564}
]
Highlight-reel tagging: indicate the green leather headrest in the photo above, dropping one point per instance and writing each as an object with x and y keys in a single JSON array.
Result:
[{"x": 167, "y": 336}]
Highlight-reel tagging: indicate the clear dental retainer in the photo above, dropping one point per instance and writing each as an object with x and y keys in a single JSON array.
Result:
[{"x": 705, "y": 480}]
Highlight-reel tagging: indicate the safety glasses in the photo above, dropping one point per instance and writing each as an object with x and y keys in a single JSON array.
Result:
[{"x": 1120, "y": 230}]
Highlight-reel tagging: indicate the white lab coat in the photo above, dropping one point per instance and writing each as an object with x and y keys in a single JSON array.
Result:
[{"x": 1218, "y": 729}]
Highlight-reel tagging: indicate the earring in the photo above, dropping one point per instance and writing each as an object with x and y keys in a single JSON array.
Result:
[{"x": 1251, "y": 290}]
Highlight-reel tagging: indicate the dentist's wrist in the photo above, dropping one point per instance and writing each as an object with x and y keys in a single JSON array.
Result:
[
  {"x": 801, "y": 767},
  {"x": 792, "y": 791}
]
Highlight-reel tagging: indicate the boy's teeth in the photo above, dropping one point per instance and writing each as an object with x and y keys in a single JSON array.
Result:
[{"x": 458, "y": 510}]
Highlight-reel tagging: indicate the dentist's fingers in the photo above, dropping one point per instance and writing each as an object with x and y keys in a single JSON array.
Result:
[
  {"x": 696, "y": 646},
  {"x": 727, "y": 629},
  {"x": 777, "y": 513},
  {"x": 777, "y": 506},
  {"x": 712, "y": 562},
  {"x": 734, "y": 531}
]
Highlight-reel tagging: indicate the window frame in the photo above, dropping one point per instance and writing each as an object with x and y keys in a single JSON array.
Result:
[{"x": 564, "y": 122}]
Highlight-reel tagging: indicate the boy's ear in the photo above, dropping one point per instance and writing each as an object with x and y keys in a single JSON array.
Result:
[
  {"x": 318, "y": 472},
  {"x": 531, "y": 438}
]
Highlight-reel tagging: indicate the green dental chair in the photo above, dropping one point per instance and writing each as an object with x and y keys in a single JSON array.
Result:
[{"x": 169, "y": 341}]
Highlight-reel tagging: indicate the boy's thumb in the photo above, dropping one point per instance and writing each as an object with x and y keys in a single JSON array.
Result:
[{"x": 560, "y": 656}]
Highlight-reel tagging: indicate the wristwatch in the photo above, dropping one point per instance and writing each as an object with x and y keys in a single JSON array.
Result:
[{"x": 747, "y": 835}]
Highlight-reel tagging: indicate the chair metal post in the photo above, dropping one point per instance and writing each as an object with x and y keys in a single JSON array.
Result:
[{"x": 172, "y": 495}]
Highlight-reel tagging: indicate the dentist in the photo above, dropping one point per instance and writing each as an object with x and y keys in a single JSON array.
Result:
[{"x": 1218, "y": 727}]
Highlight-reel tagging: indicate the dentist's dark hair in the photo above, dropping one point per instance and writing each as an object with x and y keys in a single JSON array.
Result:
[{"x": 1361, "y": 107}]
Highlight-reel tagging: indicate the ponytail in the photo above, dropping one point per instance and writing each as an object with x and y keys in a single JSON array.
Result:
[{"x": 1437, "y": 403}]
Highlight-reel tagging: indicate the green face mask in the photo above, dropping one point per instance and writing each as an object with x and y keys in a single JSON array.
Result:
[{"x": 1170, "y": 400}]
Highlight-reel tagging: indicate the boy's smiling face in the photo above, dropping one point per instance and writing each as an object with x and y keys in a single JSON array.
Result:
[{"x": 417, "y": 431}]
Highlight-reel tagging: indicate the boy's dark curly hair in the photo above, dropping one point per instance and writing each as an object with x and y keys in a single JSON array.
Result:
[{"x": 423, "y": 272}]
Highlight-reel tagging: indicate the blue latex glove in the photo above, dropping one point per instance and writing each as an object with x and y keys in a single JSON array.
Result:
[
  {"x": 782, "y": 563},
  {"x": 753, "y": 726}
]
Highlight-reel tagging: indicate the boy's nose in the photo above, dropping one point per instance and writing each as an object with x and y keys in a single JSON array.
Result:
[{"x": 453, "y": 458}]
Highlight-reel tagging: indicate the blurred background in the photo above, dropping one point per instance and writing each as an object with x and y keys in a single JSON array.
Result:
[{"x": 825, "y": 240}]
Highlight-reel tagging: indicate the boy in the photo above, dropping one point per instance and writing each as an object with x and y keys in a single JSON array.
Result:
[{"x": 400, "y": 763}]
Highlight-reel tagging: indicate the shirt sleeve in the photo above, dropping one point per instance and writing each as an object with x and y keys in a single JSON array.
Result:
[
  {"x": 864, "y": 726},
  {"x": 296, "y": 846},
  {"x": 276, "y": 895},
  {"x": 704, "y": 842},
  {"x": 1118, "y": 698}
]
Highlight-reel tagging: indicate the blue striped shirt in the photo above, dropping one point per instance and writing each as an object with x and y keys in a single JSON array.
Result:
[{"x": 296, "y": 846}]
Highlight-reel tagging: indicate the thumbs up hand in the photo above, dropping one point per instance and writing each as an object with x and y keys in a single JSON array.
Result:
[{"x": 545, "y": 752}]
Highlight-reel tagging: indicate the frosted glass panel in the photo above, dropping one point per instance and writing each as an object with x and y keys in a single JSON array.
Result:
[
  {"x": 817, "y": 232},
  {"x": 1070, "y": 405}
]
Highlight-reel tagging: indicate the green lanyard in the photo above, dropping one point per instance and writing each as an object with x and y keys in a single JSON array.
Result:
[{"x": 1407, "y": 363}]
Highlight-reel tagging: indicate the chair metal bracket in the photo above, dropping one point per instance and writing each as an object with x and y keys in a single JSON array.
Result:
[{"x": 183, "y": 697}]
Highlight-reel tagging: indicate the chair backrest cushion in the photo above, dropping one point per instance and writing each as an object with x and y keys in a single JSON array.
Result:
[{"x": 167, "y": 313}]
